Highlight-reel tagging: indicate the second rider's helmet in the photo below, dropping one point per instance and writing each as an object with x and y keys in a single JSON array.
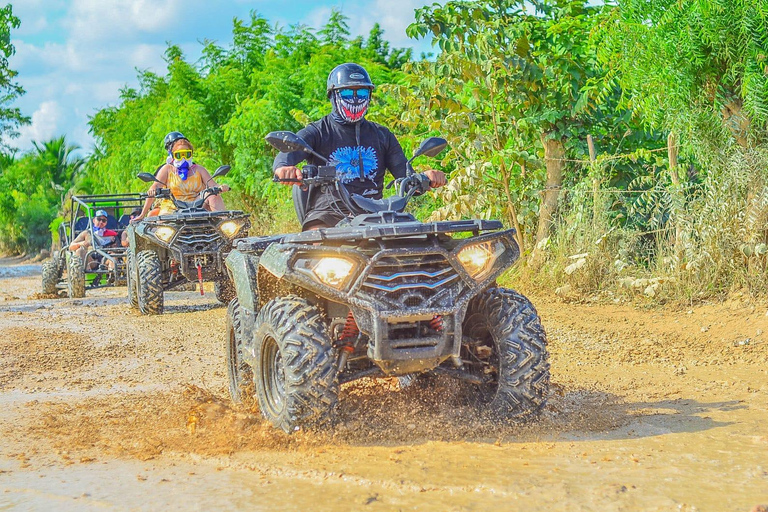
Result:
[
  {"x": 171, "y": 139},
  {"x": 348, "y": 74}
]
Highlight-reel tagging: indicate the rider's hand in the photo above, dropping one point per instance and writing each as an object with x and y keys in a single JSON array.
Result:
[
  {"x": 224, "y": 188},
  {"x": 136, "y": 218},
  {"x": 152, "y": 192},
  {"x": 289, "y": 172},
  {"x": 436, "y": 178}
]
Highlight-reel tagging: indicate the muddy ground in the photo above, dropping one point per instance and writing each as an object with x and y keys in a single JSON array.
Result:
[{"x": 104, "y": 409}]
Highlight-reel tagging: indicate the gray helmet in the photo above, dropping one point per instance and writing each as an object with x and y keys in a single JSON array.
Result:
[
  {"x": 348, "y": 74},
  {"x": 171, "y": 139}
]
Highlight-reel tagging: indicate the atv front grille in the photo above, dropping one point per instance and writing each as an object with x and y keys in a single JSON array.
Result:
[
  {"x": 199, "y": 238},
  {"x": 412, "y": 282}
]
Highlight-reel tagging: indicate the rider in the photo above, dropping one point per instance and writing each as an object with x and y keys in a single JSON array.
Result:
[
  {"x": 185, "y": 178},
  {"x": 104, "y": 238},
  {"x": 361, "y": 149}
]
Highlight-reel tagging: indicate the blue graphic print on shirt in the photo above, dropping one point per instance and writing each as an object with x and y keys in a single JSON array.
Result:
[{"x": 347, "y": 165}]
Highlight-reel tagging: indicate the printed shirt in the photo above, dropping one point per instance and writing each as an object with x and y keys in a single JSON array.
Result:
[
  {"x": 379, "y": 151},
  {"x": 183, "y": 190}
]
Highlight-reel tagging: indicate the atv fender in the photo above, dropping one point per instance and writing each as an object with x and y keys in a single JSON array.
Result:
[{"x": 242, "y": 268}]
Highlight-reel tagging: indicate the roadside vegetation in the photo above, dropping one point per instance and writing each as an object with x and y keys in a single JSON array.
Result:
[{"x": 627, "y": 144}]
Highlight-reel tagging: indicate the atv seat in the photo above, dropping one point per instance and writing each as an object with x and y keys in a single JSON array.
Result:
[
  {"x": 300, "y": 200},
  {"x": 123, "y": 221}
]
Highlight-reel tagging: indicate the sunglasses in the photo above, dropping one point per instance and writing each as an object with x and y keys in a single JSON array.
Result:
[
  {"x": 182, "y": 154},
  {"x": 101, "y": 219},
  {"x": 348, "y": 94}
]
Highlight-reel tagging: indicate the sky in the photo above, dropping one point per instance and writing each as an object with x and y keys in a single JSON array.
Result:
[{"x": 74, "y": 56}]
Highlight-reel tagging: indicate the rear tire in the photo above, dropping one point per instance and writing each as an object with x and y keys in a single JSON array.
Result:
[
  {"x": 150, "y": 285},
  {"x": 51, "y": 276},
  {"x": 239, "y": 373},
  {"x": 295, "y": 364},
  {"x": 75, "y": 277},
  {"x": 130, "y": 272},
  {"x": 504, "y": 340}
]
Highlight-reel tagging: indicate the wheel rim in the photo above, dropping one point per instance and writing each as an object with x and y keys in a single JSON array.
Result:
[
  {"x": 478, "y": 331},
  {"x": 272, "y": 376}
]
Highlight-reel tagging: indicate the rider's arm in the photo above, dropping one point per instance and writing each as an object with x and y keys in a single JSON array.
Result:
[
  {"x": 396, "y": 162},
  {"x": 162, "y": 175},
  {"x": 78, "y": 242},
  {"x": 284, "y": 165},
  {"x": 208, "y": 182}
]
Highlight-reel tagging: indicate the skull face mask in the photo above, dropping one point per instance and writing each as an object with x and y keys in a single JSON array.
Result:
[{"x": 350, "y": 105}]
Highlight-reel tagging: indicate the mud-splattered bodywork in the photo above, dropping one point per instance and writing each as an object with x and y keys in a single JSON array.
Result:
[
  {"x": 407, "y": 292},
  {"x": 196, "y": 238}
]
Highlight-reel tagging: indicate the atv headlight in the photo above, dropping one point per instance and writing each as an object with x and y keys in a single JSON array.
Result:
[
  {"x": 478, "y": 259},
  {"x": 230, "y": 228},
  {"x": 164, "y": 233},
  {"x": 333, "y": 271}
]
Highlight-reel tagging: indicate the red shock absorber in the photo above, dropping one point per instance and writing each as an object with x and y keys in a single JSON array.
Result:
[
  {"x": 350, "y": 328},
  {"x": 436, "y": 323}
]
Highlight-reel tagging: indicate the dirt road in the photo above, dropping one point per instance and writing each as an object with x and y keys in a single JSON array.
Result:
[{"x": 103, "y": 409}]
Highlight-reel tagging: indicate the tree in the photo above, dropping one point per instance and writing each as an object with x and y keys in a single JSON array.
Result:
[
  {"x": 10, "y": 117},
  {"x": 531, "y": 77},
  {"x": 699, "y": 68}
]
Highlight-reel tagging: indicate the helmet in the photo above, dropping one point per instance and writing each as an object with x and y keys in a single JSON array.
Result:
[
  {"x": 348, "y": 75},
  {"x": 171, "y": 139}
]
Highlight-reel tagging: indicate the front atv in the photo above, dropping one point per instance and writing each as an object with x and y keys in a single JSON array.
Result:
[
  {"x": 380, "y": 295},
  {"x": 186, "y": 246}
]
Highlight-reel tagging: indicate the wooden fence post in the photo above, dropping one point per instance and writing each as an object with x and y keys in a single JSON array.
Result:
[
  {"x": 595, "y": 181},
  {"x": 672, "y": 154}
]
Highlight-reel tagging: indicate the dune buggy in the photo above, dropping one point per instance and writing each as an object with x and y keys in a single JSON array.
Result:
[
  {"x": 66, "y": 271},
  {"x": 380, "y": 294},
  {"x": 186, "y": 246}
]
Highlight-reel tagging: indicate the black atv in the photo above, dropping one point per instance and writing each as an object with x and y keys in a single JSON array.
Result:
[
  {"x": 186, "y": 246},
  {"x": 380, "y": 294},
  {"x": 65, "y": 272}
]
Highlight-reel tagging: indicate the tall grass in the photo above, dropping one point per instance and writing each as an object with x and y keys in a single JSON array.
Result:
[{"x": 698, "y": 240}]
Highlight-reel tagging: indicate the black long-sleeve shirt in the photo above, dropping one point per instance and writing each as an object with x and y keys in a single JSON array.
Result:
[{"x": 377, "y": 147}]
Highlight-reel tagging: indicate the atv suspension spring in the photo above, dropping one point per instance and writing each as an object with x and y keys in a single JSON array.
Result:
[
  {"x": 436, "y": 323},
  {"x": 350, "y": 328}
]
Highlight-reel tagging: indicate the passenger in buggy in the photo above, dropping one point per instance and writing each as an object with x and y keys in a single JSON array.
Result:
[{"x": 103, "y": 238}]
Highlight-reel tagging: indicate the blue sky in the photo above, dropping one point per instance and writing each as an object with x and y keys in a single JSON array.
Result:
[{"x": 73, "y": 56}]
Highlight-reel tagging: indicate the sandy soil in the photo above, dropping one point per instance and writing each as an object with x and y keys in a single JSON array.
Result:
[{"x": 104, "y": 409}]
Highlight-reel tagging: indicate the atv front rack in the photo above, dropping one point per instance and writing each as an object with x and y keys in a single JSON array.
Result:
[{"x": 351, "y": 234}]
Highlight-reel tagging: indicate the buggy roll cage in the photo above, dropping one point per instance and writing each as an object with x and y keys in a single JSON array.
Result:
[{"x": 83, "y": 208}]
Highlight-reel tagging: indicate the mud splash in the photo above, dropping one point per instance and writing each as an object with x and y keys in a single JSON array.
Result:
[{"x": 650, "y": 410}]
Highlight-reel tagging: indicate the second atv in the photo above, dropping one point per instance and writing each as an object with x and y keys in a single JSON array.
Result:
[{"x": 188, "y": 245}]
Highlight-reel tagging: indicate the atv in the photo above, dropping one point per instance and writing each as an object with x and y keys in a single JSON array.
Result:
[
  {"x": 186, "y": 246},
  {"x": 379, "y": 295},
  {"x": 65, "y": 271}
]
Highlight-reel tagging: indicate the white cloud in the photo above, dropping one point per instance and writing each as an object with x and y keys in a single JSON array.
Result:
[
  {"x": 104, "y": 19},
  {"x": 45, "y": 124}
]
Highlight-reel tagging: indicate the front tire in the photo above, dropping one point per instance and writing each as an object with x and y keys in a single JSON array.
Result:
[
  {"x": 51, "y": 276},
  {"x": 239, "y": 373},
  {"x": 506, "y": 344},
  {"x": 75, "y": 277},
  {"x": 295, "y": 364},
  {"x": 130, "y": 273},
  {"x": 150, "y": 285},
  {"x": 225, "y": 290}
]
